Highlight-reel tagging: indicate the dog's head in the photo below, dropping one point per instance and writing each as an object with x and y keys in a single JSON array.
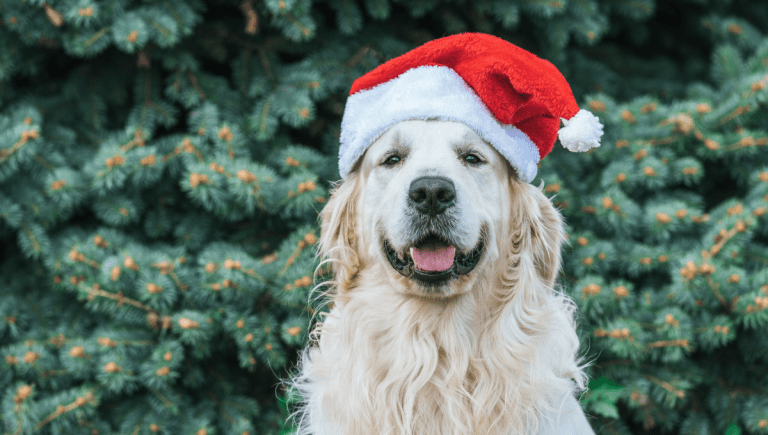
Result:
[{"x": 438, "y": 209}]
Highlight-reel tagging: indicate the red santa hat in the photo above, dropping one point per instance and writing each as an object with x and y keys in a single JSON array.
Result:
[{"x": 508, "y": 96}]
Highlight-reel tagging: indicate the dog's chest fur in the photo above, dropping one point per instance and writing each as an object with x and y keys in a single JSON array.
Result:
[{"x": 391, "y": 364}]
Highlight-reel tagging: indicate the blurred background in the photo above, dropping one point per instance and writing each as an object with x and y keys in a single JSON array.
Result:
[{"x": 162, "y": 164}]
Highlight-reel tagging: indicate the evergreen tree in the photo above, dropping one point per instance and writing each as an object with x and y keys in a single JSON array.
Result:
[
  {"x": 669, "y": 261},
  {"x": 162, "y": 163}
]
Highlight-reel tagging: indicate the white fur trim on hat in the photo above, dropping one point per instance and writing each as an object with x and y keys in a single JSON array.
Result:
[
  {"x": 582, "y": 132},
  {"x": 422, "y": 93}
]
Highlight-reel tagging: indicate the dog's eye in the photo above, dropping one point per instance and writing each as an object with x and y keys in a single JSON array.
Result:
[
  {"x": 471, "y": 159},
  {"x": 392, "y": 160}
]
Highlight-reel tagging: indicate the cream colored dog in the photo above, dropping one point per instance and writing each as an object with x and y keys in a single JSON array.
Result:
[{"x": 445, "y": 318}]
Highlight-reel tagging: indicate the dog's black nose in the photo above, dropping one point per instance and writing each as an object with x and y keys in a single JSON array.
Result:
[{"x": 432, "y": 195}]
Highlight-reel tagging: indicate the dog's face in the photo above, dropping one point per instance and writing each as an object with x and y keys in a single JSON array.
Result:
[
  {"x": 434, "y": 209},
  {"x": 434, "y": 194}
]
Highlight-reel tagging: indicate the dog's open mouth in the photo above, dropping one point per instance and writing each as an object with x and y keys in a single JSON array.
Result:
[{"x": 433, "y": 260}]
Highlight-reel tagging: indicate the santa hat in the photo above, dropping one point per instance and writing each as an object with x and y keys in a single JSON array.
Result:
[{"x": 508, "y": 96}]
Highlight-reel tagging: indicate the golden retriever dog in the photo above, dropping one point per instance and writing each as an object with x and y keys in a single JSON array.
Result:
[{"x": 445, "y": 318}]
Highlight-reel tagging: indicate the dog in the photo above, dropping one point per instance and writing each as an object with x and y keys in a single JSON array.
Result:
[{"x": 445, "y": 317}]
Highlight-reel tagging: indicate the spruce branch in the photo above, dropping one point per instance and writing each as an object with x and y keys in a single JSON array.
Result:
[
  {"x": 683, "y": 342},
  {"x": 96, "y": 36},
  {"x": 81, "y": 401},
  {"x": 267, "y": 68},
  {"x": 680, "y": 394},
  {"x": 33, "y": 240},
  {"x": 747, "y": 142},
  {"x": 735, "y": 113},
  {"x": 251, "y": 17},
  {"x": 45, "y": 163},
  {"x": 195, "y": 84},
  {"x": 714, "y": 287},
  {"x": 26, "y": 136},
  {"x": 95, "y": 290},
  {"x": 53, "y": 15}
]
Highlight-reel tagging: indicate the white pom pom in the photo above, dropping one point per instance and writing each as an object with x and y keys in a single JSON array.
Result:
[{"x": 582, "y": 132}]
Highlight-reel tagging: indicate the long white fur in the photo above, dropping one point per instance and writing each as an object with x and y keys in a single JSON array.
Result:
[{"x": 496, "y": 353}]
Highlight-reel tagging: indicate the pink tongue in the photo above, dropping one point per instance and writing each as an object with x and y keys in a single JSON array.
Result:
[{"x": 433, "y": 259}]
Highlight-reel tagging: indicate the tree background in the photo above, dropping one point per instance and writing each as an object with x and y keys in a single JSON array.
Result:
[{"x": 162, "y": 163}]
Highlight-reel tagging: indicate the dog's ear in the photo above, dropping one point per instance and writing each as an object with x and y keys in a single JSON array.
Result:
[
  {"x": 547, "y": 235},
  {"x": 537, "y": 228},
  {"x": 338, "y": 231}
]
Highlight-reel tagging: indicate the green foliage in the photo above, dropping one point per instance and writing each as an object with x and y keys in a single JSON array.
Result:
[
  {"x": 162, "y": 164},
  {"x": 601, "y": 398},
  {"x": 674, "y": 202}
]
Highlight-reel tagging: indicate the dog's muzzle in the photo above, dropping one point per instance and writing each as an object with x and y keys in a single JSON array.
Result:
[{"x": 433, "y": 258}]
